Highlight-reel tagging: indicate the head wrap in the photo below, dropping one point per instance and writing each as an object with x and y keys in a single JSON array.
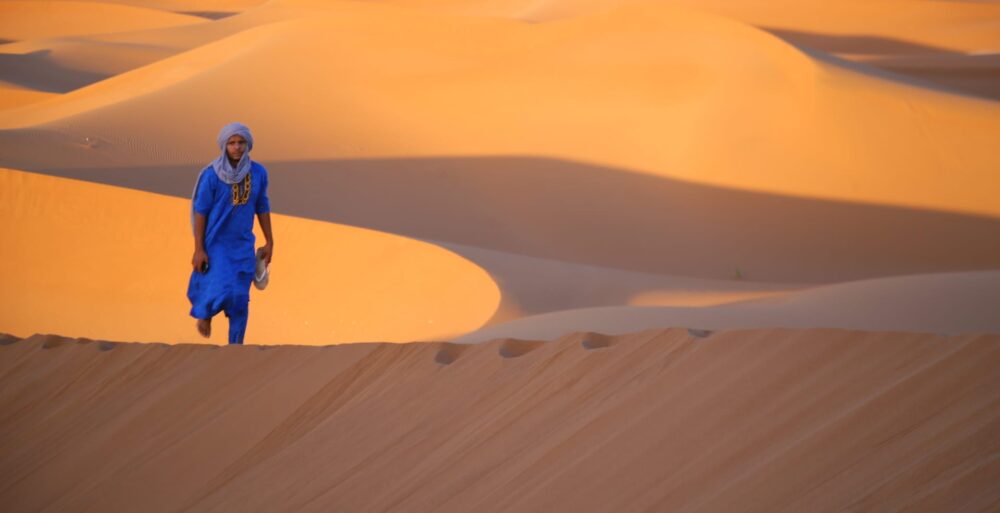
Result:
[{"x": 223, "y": 169}]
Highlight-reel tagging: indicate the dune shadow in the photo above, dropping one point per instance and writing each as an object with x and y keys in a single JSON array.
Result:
[
  {"x": 973, "y": 75},
  {"x": 931, "y": 67},
  {"x": 575, "y": 212},
  {"x": 859, "y": 44},
  {"x": 37, "y": 71},
  {"x": 210, "y": 15}
]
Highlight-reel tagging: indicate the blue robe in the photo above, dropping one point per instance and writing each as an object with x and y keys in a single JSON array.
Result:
[{"x": 229, "y": 242}]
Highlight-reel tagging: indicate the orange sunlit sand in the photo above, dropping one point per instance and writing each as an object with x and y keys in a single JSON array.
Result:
[{"x": 471, "y": 178}]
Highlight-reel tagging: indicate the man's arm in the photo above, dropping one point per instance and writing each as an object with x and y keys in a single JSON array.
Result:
[
  {"x": 264, "y": 218},
  {"x": 200, "y": 257}
]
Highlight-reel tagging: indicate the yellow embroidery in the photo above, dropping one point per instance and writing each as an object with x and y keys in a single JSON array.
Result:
[{"x": 238, "y": 198}]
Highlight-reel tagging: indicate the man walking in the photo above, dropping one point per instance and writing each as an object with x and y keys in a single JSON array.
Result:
[{"x": 227, "y": 195}]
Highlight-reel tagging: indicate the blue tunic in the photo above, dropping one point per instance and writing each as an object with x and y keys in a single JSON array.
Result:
[{"x": 229, "y": 242}]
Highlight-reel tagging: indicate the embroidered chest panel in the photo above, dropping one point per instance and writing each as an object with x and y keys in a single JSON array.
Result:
[{"x": 241, "y": 191}]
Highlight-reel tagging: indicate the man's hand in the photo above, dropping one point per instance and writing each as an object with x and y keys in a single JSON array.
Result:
[
  {"x": 199, "y": 259},
  {"x": 266, "y": 250}
]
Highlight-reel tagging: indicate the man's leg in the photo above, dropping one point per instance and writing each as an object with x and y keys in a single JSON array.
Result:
[
  {"x": 238, "y": 311},
  {"x": 238, "y": 327},
  {"x": 202, "y": 306}
]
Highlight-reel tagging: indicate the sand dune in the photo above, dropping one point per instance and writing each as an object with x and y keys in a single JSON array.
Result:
[
  {"x": 14, "y": 96},
  {"x": 689, "y": 161},
  {"x": 938, "y": 43},
  {"x": 960, "y": 25},
  {"x": 795, "y": 199},
  {"x": 335, "y": 283},
  {"x": 40, "y": 19},
  {"x": 949, "y": 34},
  {"x": 114, "y": 91},
  {"x": 532, "y": 285},
  {"x": 231, "y": 6},
  {"x": 65, "y": 65},
  {"x": 869, "y": 27},
  {"x": 764, "y": 420},
  {"x": 947, "y": 303},
  {"x": 323, "y": 262},
  {"x": 56, "y": 62},
  {"x": 128, "y": 251},
  {"x": 693, "y": 83}
]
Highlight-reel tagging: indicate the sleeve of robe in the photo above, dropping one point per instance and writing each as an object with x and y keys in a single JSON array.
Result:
[
  {"x": 263, "y": 205},
  {"x": 204, "y": 196}
]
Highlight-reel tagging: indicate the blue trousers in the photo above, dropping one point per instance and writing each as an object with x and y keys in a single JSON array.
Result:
[{"x": 237, "y": 323}]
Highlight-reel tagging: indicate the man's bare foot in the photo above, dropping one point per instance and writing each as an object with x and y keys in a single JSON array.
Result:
[{"x": 205, "y": 327}]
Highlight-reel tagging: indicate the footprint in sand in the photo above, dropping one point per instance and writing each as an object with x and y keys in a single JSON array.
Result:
[
  {"x": 593, "y": 341},
  {"x": 699, "y": 333},
  {"x": 449, "y": 352},
  {"x": 513, "y": 348},
  {"x": 52, "y": 341}
]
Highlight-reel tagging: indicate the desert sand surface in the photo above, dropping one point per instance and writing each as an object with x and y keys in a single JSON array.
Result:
[
  {"x": 575, "y": 154},
  {"x": 745, "y": 420},
  {"x": 531, "y": 255}
]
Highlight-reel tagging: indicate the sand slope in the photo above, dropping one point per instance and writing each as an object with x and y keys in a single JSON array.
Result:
[
  {"x": 524, "y": 185},
  {"x": 952, "y": 44},
  {"x": 945, "y": 303},
  {"x": 129, "y": 253},
  {"x": 766, "y": 420},
  {"x": 692, "y": 84},
  {"x": 37, "y": 19}
]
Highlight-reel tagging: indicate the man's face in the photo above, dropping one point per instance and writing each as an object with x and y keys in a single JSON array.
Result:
[{"x": 236, "y": 146}]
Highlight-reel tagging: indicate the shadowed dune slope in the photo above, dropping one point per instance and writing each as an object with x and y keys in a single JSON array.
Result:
[
  {"x": 611, "y": 217},
  {"x": 952, "y": 25},
  {"x": 946, "y": 303},
  {"x": 42, "y": 58},
  {"x": 107, "y": 262},
  {"x": 755, "y": 421}
]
